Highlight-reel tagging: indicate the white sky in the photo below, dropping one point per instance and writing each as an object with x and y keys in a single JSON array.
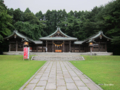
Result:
[{"x": 44, "y": 5}]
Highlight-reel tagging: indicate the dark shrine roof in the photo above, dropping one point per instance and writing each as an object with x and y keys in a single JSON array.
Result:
[
  {"x": 58, "y": 35},
  {"x": 92, "y": 38},
  {"x": 15, "y": 32}
]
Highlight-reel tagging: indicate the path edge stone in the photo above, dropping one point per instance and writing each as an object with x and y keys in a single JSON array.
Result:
[
  {"x": 93, "y": 82},
  {"x": 21, "y": 88},
  {"x": 88, "y": 78}
]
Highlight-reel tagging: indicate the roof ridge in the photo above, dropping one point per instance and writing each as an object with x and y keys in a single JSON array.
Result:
[
  {"x": 90, "y": 36},
  {"x": 98, "y": 33},
  {"x": 21, "y": 36},
  {"x": 58, "y": 29}
]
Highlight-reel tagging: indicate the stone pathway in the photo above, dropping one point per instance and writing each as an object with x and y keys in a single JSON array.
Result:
[{"x": 59, "y": 75}]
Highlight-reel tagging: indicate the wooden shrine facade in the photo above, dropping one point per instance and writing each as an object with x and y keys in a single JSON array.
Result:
[{"x": 58, "y": 42}]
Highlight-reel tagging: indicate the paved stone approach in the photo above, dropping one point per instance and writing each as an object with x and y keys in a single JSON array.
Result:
[{"x": 59, "y": 75}]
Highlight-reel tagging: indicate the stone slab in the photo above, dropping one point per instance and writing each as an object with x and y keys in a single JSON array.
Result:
[
  {"x": 50, "y": 86},
  {"x": 71, "y": 86}
]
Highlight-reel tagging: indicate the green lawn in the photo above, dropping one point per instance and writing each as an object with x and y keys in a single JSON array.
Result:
[
  {"x": 14, "y": 72},
  {"x": 103, "y": 70}
]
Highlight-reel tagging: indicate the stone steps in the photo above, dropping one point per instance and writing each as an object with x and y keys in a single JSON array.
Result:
[{"x": 57, "y": 57}]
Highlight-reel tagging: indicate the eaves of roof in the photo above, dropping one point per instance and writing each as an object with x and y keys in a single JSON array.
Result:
[
  {"x": 50, "y": 37},
  {"x": 58, "y": 38},
  {"x": 78, "y": 42},
  {"x": 91, "y": 39},
  {"x": 15, "y": 32}
]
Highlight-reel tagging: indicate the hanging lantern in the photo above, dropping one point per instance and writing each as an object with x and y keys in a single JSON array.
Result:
[
  {"x": 14, "y": 35},
  {"x": 100, "y": 36}
]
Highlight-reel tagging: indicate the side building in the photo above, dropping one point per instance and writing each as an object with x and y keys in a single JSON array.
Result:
[{"x": 58, "y": 42}]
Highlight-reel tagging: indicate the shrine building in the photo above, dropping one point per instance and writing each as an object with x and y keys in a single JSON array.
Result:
[{"x": 58, "y": 41}]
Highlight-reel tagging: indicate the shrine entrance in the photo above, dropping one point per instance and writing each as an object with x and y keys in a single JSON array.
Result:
[{"x": 58, "y": 46}]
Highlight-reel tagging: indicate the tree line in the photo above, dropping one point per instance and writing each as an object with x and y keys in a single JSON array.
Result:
[{"x": 80, "y": 24}]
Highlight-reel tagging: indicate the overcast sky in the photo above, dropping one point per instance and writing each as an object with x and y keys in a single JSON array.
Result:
[{"x": 44, "y": 5}]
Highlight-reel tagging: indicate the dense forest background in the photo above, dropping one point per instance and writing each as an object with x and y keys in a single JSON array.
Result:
[{"x": 80, "y": 24}]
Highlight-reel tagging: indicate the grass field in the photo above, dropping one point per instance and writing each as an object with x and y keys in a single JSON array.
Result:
[
  {"x": 103, "y": 70},
  {"x": 14, "y": 72}
]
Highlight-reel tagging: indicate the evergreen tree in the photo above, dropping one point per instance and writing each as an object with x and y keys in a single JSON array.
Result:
[
  {"x": 81, "y": 24},
  {"x": 5, "y": 21}
]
